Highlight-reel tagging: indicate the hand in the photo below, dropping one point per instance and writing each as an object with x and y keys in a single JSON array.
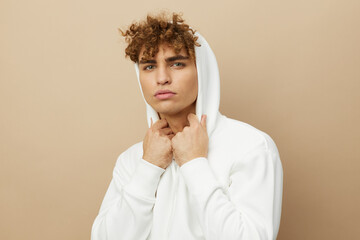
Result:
[
  {"x": 192, "y": 142},
  {"x": 157, "y": 147}
]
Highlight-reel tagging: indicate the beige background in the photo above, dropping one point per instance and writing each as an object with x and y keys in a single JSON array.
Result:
[{"x": 70, "y": 104}]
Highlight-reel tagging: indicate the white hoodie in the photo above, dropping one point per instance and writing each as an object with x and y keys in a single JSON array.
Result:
[{"x": 234, "y": 193}]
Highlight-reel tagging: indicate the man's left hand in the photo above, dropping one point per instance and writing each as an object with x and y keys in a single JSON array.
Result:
[{"x": 192, "y": 142}]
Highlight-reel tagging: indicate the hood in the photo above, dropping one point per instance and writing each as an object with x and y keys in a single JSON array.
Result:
[{"x": 208, "y": 98}]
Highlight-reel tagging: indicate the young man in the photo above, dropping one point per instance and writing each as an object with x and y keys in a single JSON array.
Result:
[{"x": 197, "y": 174}]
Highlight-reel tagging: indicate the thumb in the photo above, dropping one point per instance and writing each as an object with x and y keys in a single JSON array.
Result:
[{"x": 203, "y": 121}]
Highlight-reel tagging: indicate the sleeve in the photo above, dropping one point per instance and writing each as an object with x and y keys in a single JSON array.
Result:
[
  {"x": 249, "y": 208},
  {"x": 126, "y": 211}
]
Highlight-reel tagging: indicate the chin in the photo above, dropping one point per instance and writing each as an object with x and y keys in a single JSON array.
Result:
[{"x": 169, "y": 108}]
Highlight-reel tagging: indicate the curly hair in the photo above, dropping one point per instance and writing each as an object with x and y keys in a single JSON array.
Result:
[{"x": 156, "y": 30}]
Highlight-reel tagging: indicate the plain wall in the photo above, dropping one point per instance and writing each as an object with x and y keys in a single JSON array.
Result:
[{"x": 70, "y": 104}]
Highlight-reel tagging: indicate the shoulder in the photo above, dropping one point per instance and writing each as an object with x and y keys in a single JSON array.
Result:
[
  {"x": 243, "y": 137},
  {"x": 130, "y": 156}
]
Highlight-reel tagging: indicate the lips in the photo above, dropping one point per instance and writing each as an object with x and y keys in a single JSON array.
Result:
[{"x": 164, "y": 94}]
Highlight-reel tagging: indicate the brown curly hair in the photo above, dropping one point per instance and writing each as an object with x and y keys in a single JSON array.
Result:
[{"x": 156, "y": 30}]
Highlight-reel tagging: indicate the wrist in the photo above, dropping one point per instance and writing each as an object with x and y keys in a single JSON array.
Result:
[{"x": 156, "y": 163}]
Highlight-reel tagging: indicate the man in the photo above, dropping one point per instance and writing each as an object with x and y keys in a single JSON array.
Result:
[{"x": 197, "y": 174}]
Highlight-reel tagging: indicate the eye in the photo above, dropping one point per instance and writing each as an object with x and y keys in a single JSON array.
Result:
[
  {"x": 149, "y": 67},
  {"x": 179, "y": 64}
]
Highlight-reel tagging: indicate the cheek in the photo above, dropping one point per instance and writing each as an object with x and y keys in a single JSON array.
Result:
[
  {"x": 146, "y": 88},
  {"x": 193, "y": 84}
]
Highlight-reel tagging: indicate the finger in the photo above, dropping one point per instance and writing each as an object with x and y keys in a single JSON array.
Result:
[
  {"x": 170, "y": 136},
  {"x": 160, "y": 124},
  {"x": 203, "y": 121},
  {"x": 192, "y": 119},
  {"x": 151, "y": 122},
  {"x": 165, "y": 131}
]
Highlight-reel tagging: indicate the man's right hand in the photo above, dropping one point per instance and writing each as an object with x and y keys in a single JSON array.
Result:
[{"x": 157, "y": 147}]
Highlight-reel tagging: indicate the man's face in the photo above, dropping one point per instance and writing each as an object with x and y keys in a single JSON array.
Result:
[{"x": 173, "y": 72}]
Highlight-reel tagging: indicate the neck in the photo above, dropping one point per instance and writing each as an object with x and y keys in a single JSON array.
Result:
[{"x": 178, "y": 121}]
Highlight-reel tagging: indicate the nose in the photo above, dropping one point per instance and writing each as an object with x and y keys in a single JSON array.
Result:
[{"x": 163, "y": 76}]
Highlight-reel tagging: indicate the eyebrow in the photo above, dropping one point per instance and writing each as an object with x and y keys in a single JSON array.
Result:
[
  {"x": 169, "y": 59},
  {"x": 177, "y": 57},
  {"x": 147, "y": 61}
]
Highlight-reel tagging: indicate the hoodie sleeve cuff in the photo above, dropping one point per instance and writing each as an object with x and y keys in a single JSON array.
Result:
[
  {"x": 145, "y": 179},
  {"x": 199, "y": 177}
]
